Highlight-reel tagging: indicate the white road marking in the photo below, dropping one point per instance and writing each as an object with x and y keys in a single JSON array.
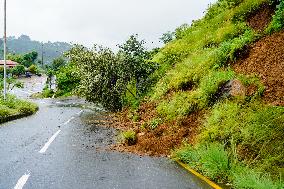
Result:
[
  {"x": 69, "y": 121},
  {"x": 22, "y": 181},
  {"x": 45, "y": 147},
  {"x": 79, "y": 113}
]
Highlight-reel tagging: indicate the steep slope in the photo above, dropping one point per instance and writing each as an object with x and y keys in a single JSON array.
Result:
[
  {"x": 266, "y": 59},
  {"x": 218, "y": 100}
]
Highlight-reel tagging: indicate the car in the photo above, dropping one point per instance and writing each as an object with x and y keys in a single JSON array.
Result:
[{"x": 28, "y": 75}]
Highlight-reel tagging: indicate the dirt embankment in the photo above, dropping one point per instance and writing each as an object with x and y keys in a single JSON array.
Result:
[
  {"x": 259, "y": 19},
  {"x": 266, "y": 60},
  {"x": 159, "y": 141}
]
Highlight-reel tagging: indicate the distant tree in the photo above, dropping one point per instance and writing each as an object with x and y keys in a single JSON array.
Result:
[
  {"x": 135, "y": 65},
  {"x": 33, "y": 69},
  {"x": 18, "y": 70},
  {"x": 168, "y": 37},
  {"x": 58, "y": 63},
  {"x": 181, "y": 31}
]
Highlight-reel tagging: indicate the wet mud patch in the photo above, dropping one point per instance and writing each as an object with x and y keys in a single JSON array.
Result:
[
  {"x": 96, "y": 131},
  {"x": 266, "y": 60}
]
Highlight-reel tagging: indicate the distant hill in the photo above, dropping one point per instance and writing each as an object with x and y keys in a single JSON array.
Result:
[{"x": 24, "y": 44}]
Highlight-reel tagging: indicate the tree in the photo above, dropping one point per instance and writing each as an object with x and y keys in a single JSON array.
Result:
[
  {"x": 135, "y": 65},
  {"x": 58, "y": 63},
  {"x": 168, "y": 37},
  {"x": 29, "y": 58},
  {"x": 106, "y": 77},
  {"x": 33, "y": 69},
  {"x": 18, "y": 70},
  {"x": 98, "y": 70}
]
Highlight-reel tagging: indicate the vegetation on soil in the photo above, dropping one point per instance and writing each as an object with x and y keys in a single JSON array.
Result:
[
  {"x": 13, "y": 107},
  {"x": 240, "y": 138}
]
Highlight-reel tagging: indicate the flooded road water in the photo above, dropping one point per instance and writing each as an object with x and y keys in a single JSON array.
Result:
[{"x": 58, "y": 148}]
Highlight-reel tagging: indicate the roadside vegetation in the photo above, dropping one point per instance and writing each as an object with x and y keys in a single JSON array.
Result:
[
  {"x": 189, "y": 99},
  {"x": 13, "y": 108}
]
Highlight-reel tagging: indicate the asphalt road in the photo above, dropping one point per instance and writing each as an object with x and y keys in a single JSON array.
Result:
[{"x": 57, "y": 148}]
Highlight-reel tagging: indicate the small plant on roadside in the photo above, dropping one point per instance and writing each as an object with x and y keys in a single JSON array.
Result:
[{"x": 129, "y": 137}]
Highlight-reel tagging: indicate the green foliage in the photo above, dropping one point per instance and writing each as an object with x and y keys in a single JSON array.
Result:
[
  {"x": 255, "y": 127},
  {"x": 211, "y": 159},
  {"x": 33, "y": 69},
  {"x": 129, "y": 137},
  {"x": 154, "y": 123},
  {"x": 277, "y": 22},
  {"x": 241, "y": 138},
  {"x": 167, "y": 37},
  {"x": 244, "y": 177},
  {"x": 67, "y": 80},
  {"x": 18, "y": 70},
  {"x": 58, "y": 63},
  {"x": 13, "y": 106},
  {"x": 215, "y": 162},
  {"x": 181, "y": 104},
  {"x": 113, "y": 79},
  {"x": 26, "y": 59},
  {"x": 47, "y": 93}
]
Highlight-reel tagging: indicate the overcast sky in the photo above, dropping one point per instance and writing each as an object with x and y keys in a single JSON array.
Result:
[{"x": 105, "y": 22}]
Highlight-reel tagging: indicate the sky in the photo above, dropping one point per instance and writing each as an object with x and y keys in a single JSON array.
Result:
[{"x": 103, "y": 22}]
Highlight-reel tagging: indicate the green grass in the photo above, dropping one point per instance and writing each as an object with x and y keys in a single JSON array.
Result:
[
  {"x": 278, "y": 19},
  {"x": 213, "y": 161},
  {"x": 129, "y": 137},
  {"x": 13, "y": 106}
]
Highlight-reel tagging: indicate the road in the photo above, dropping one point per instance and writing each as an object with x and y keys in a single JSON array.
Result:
[{"x": 57, "y": 148}]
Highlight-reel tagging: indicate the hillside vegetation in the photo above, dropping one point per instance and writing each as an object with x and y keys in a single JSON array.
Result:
[
  {"x": 212, "y": 97},
  {"x": 220, "y": 96}
]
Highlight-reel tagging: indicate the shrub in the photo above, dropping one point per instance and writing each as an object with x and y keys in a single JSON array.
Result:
[
  {"x": 254, "y": 127},
  {"x": 211, "y": 159},
  {"x": 18, "y": 70},
  {"x": 33, "y": 69},
  {"x": 129, "y": 137},
  {"x": 277, "y": 22}
]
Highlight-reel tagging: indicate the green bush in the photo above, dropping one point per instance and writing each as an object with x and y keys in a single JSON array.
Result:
[
  {"x": 13, "y": 106},
  {"x": 216, "y": 163},
  {"x": 18, "y": 70},
  {"x": 211, "y": 159},
  {"x": 129, "y": 137},
  {"x": 277, "y": 22},
  {"x": 255, "y": 127},
  {"x": 33, "y": 69}
]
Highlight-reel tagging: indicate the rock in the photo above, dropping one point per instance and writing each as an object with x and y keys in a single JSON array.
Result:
[{"x": 232, "y": 88}]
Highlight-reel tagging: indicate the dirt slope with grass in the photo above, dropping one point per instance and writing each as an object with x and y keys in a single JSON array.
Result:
[
  {"x": 217, "y": 104},
  {"x": 266, "y": 59}
]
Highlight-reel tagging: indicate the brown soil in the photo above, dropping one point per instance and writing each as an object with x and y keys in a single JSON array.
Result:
[
  {"x": 163, "y": 139},
  {"x": 260, "y": 19},
  {"x": 266, "y": 59}
]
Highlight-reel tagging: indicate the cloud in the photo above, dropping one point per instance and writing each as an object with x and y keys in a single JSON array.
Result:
[{"x": 106, "y": 22}]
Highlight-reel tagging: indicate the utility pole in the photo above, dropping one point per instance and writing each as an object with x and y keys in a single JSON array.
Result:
[
  {"x": 42, "y": 54},
  {"x": 5, "y": 49}
]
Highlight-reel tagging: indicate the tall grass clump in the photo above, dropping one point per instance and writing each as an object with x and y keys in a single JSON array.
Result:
[{"x": 277, "y": 22}]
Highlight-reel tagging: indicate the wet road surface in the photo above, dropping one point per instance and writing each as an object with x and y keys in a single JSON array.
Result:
[{"x": 57, "y": 148}]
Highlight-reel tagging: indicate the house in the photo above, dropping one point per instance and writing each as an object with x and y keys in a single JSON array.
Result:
[{"x": 9, "y": 63}]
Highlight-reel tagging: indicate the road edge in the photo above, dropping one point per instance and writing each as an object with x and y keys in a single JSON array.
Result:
[{"x": 209, "y": 182}]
